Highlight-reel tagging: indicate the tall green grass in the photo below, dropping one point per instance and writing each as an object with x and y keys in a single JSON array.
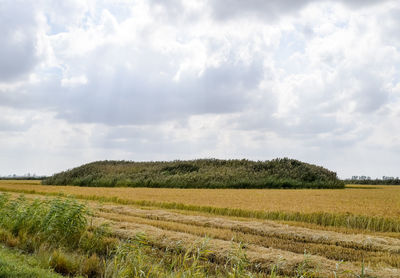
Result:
[
  {"x": 58, "y": 221},
  {"x": 16, "y": 264}
]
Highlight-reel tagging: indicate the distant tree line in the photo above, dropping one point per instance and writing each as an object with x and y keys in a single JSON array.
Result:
[
  {"x": 368, "y": 180},
  {"x": 200, "y": 173},
  {"x": 23, "y": 177}
]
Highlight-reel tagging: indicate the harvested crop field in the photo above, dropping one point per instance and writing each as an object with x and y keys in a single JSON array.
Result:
[
  {"x": 291, "y": 247},
  {"x": 380, "y": 201}
]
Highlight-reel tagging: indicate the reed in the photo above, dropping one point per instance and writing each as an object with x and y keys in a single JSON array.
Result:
[{"x": 199, "y": 173}]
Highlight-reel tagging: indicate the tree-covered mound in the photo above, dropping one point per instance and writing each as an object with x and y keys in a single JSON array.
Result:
[{"x": 200, "y": 173}]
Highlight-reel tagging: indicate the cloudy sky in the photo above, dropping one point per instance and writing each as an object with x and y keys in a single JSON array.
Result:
[{"x": 315, "y": 80}]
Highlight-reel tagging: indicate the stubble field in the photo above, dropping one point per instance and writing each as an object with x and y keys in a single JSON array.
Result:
[{"x": 315, "y": 233}]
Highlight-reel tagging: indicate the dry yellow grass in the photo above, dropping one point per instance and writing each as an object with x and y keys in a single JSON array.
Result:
[
  {"x": 261, "y": 228},
  {"x": 383, "y": 201},
  {"x": 289, "y": 240},
  {"x": 260, "y": 257},
  {"x": 262, "y": 252}
]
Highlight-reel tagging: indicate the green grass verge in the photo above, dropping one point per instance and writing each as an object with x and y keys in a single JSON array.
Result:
[{"x": 13, "y": 263}]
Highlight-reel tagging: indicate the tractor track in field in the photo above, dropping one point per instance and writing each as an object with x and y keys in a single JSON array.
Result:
[
  {"x": 169, "y": 228},
  {"x": 290, "y": 239},
  {"x": 265, "y": 228}
]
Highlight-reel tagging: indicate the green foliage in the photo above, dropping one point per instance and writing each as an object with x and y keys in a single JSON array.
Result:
[
  {"x": 200, "y": 173},
  {"x": 394, "y": 181},
  {"x": 62, "y": 263},
  {"x": 58, "y": 221},
  {"x": 53, "y": 229},
  {"x": 65, "y": 221},
  {"x": 237, "y": 263},
  {"x": 15, "y": 264},
  {"x": 180, "y": 168},
  {"x": 35, "y": 178},
  {"x": 98, "y": 240}
]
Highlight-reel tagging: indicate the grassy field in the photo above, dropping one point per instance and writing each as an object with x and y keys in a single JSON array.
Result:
[
  {"x": 16, "y": 264},
  {"x": 182, "y": 233}
]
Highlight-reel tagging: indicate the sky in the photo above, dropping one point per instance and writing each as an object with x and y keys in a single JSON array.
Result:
[{"x": 313, "y": 80}]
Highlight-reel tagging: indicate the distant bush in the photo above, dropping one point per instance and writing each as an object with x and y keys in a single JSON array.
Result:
[
  {"x": 23, "y": 178},
  {"x": 395, "y": 181},
  {"x": 200, "y": 173}
]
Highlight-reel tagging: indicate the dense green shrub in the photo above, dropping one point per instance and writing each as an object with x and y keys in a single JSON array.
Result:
[{"x": 200, "y": 173}]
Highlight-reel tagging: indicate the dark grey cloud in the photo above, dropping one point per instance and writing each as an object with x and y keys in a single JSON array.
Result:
[
  {"x": 143, "y": 92},
  {"x": 134, "y": 97},
  {"x": 270, "y": 10},
  {"x": 267, "y": 10},
  {"x": 18, "y": 40},
  {"x": 362, "y": 3}
]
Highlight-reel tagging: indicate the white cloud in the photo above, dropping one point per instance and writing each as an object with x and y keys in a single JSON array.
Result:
[
  {"x": 148, "y": 80},
  {"x": 19, "y": 51},
  {"x": 74, "y": 81}
]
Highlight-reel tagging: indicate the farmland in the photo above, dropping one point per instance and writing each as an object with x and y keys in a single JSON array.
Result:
[
  {"x": 238, "y": 232},
  {"x": 364, "y": 200}
]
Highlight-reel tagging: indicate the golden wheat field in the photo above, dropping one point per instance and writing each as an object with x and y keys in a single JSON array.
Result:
[
  {"x": 288, "y": 247},
  {"x": 383, "y": 201},
  {"x": 350, "y": 232}
]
